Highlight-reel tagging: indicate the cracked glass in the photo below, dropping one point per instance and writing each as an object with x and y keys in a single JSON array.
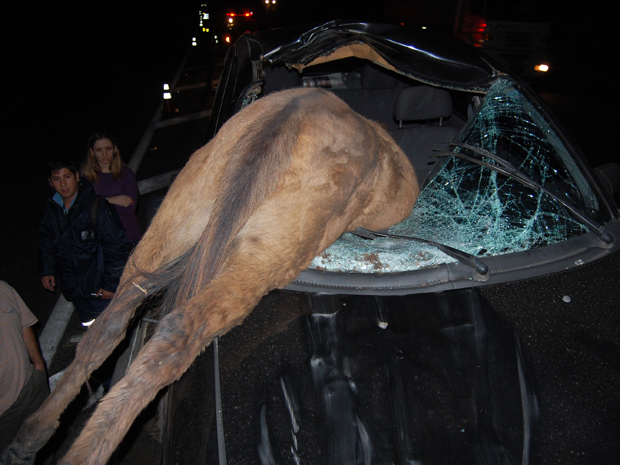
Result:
[{"x": 476, "y": 209}]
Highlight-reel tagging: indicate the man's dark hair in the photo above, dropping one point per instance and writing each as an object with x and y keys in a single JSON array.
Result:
[{"x": 57, "y": 165}]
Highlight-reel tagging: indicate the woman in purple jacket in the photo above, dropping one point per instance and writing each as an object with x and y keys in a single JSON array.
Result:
[{"x": 113, "y": 180}]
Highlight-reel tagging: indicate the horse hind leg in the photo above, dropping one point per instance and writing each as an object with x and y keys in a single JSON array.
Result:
[
  {"x": 177, "y": 341},
  {"x": 94, "y": 348}
]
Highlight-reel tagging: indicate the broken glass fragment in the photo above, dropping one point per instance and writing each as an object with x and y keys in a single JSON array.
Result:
[{"x": 475, "y": 209}]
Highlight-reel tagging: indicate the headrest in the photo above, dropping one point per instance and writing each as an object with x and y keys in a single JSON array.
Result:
[
  {"x": 373, "y": 77},
  {"x": 279, "y": 78},
  {"x": 609, "y": 175},
  {"x": 422, "y": 103}
]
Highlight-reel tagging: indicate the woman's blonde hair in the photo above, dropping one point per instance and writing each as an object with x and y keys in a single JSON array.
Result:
[{"x": 91, "y": 169}]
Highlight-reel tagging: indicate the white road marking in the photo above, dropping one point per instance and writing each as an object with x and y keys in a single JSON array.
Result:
[{"x": 54, "y": 329}]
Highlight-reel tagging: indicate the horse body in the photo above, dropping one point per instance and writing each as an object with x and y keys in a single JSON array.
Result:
[{"x": 281, "y": 181}]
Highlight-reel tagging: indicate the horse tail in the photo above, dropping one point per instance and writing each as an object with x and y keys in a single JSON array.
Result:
[{"x": 258, "y": 152}]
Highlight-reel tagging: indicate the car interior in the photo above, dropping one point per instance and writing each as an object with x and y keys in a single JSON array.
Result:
[{"x": 420, "y": 118}]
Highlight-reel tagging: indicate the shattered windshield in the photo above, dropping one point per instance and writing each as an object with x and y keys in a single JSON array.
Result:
[{"x": 476, "y": 209}]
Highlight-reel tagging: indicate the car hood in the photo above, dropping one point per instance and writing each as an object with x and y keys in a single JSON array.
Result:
[
  {"x": 353, "y": 380},
  {"x": 420, "y": 54}
]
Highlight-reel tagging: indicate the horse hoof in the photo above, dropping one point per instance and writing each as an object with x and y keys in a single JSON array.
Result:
[{"x": 13, "y": 456}]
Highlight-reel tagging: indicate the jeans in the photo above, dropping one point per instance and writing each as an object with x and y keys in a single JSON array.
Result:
[
  {"x": 30, "y": 398},
  {"x": 88, "y": 310}
]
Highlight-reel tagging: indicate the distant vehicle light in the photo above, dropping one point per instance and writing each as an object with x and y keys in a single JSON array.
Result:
[
  {"x": 543, "y": 68},
  {"x": 230, "y": 20},
  {"x": 227, "y": 39},
  {"x": 474, "y": 25}
]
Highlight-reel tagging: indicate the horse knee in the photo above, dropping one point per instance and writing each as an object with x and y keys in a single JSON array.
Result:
[{"x": 172, "y": 328}]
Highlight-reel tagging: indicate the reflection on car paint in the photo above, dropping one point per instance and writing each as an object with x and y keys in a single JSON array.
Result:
[{"x": 427, "y": 388}]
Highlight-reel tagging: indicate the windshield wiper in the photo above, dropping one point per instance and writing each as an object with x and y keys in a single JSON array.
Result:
[
  {"x": 508, "y": 169},
  {"x": 468, "y": 259}
]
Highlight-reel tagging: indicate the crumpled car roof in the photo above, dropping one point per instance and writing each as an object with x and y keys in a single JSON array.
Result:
[{"x": 420, "y": 54}]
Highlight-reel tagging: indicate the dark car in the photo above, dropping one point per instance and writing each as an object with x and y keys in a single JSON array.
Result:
[{"x": 482, "y": 329}]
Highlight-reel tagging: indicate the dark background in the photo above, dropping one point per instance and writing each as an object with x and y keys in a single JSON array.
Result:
[{"x": 68, "y": 71}]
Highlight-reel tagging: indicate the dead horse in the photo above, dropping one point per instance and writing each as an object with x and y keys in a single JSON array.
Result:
[{"x": 281, "y": 181}]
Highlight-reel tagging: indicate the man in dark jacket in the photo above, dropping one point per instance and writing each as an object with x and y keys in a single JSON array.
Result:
[{"x": 82, "y": 241}]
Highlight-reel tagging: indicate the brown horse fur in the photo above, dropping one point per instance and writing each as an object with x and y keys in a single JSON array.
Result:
[{"x": 281, "y": 181}]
